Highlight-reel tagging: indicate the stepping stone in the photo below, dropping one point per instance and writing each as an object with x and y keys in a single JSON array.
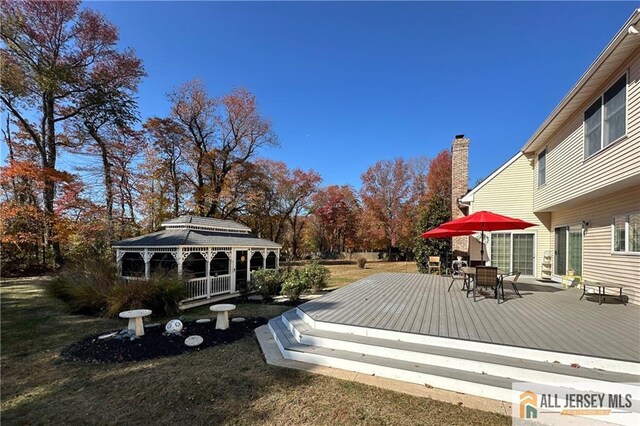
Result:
[
  {"x": 203, "y": 321},
  {"x": 255, "y": 297},
  {"x": 108, "y": 335},
  {"x": 193, "y": 340},
  {"x": 239, "y": 319}
]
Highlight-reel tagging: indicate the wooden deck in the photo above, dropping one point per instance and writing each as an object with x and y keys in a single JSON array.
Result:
[{"x": 546, "y": 317}]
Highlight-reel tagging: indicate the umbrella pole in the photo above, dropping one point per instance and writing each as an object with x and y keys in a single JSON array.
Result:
[{"x": 482, "y": 246}]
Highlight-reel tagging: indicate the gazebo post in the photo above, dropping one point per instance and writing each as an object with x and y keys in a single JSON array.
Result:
[
  {"x": 264, "y": 258},
  {"x": 277, "y": 259},
  {"x": 208, "y": 258},
  {"x": 147, "y": 264},
  {"x": 119, "y": 255},
  {"x": 179, "y": 260}
]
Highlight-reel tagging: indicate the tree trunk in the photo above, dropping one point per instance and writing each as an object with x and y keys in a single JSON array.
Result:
[
  {"x": 49, "y": 191},
  {"x": 108, "y": 178}
]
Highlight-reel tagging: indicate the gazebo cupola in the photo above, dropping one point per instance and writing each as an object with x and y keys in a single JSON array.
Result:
[{"x": 216, "y": 256}]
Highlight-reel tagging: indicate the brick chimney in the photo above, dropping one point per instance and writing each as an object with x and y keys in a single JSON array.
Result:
[{"x": 459, "y": 187}]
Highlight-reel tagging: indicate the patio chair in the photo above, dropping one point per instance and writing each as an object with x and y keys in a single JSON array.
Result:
[
  {"x": 434, "y": 264},
  {"x": 512, "y": 278},
  {"x": 487, "y": 276},
  {"x": 457, "y": 275}
]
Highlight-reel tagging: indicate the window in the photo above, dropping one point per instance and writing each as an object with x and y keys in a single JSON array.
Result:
[
  {"x": 194, "y": 266},
  {"x": 132, "y": 265},
  {"x": 625, "y": 236},
  {"x": 542, "y": 167},
  {"x": 219, "y": 264},
  {"x": 271, "y": 260},
  {"x": 256, "y": 261},
  {"x": 606, "y": 120}
]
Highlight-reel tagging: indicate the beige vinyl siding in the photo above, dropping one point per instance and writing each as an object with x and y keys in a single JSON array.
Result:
[
  {"x": 569, "y": 175},
  {"x": 598, "y": 262},
  {"x": 510, "y": 193}
]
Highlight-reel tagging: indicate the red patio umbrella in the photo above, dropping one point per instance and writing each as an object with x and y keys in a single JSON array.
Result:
[
  {"x": 486, "y": 221},
  {"x": 445, "y": 233}
]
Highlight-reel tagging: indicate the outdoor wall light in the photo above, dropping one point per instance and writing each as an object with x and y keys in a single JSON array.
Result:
[{"x": 585, "y": 225}]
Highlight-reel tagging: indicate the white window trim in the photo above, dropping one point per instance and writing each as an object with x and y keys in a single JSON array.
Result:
[
  {"x": 626, "y": 251},
  {"x": 626, "y": 118}
]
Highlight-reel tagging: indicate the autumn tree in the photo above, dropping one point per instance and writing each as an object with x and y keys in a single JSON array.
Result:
[
  {"x": 223, "y": 135},
  {"x": 338, "y": 211},
  {"x": 52, "y": 52},
  {"x": 166, "y": 139},
  {"x": 280, "y": 199},
  {"x": 435, "y": 209},
  {"x": 386, "y": 195}
]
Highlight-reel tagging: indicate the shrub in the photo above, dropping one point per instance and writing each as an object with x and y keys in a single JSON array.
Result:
[
  {"x": 361, "y": 262},
  {"x": 85, "y": 286},
  {"x": 294, "y": 285},
  {"x": 315, "y": 276},
  {"x": 94, "y": 288},
  {"x": 162, "y": 294},
  {"x": 268, "y": 282}
]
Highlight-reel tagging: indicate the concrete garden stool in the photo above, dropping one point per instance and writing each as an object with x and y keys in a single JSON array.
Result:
[
  {"x": 222, "y": 320},
  {"x": 135, "y": 319}
]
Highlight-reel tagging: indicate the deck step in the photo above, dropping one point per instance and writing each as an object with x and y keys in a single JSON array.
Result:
[
  {"x": 444, "y": 378},
  {"x": 515, "y": 369}
]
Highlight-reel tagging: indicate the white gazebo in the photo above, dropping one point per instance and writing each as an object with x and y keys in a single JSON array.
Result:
[{"x": 217, "y": 256}]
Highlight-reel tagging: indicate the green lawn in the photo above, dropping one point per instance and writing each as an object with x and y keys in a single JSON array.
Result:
[
  {"x": 227, "y": 384},
  {"x": 342, "y": 275}
]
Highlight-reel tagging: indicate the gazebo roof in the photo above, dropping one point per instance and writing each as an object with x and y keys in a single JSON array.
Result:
[
  {"x": 196, "y": 237},
  {"x": 205, "y": 223}
]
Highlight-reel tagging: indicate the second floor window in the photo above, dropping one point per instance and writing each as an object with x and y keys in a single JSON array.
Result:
[
  {"x": 542, "y": 167},
  {"x": 605, "y": 121}
]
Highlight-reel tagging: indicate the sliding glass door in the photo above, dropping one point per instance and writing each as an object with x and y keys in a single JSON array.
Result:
[
  {"x": 513, "y": 252},
  {"x": 568, "y": 250},
  {"x": 560, "y": 260},
  {"x": 523, "y": 253}
]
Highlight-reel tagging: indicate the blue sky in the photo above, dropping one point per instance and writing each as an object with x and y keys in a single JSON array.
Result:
[{"x": 347, "y": 84}]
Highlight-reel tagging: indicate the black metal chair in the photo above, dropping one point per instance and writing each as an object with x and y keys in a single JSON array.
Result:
[
  {"x": 512, "y": 278},
  {"x": 457, "y": 275}
]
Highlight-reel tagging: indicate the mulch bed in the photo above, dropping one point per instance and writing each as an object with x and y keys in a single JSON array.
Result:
[{"x": 156, "y": 343}]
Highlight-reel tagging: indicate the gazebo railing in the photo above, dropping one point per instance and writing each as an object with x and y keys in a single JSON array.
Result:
[{"x": 198, "y": 288}]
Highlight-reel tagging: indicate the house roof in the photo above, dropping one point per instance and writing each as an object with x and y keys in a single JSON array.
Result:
[
  {"x": 195, "y": 237},
  {"x": 199, "y": 222},
  {"x": 612, "y": 57},
  {"x": 468, "y": 197}
]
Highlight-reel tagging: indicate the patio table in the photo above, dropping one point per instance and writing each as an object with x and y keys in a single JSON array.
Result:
[
  {"x": 135, "y": 319},
  {"x": 602, "y": 291},
  {"x": 222, "y": 321},
  {"x": 470, "y": 272}
]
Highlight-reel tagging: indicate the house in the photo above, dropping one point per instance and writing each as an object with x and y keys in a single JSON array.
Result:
[
  {"x": 218, "y": 256},
  {"x": 511, "y": 250},
  {"x": 577, "y": 178}
]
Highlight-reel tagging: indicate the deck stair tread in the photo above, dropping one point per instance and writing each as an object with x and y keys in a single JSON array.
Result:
[
  {"x": 290, "y": 344},
  {"x": 556, "y": 368}
]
